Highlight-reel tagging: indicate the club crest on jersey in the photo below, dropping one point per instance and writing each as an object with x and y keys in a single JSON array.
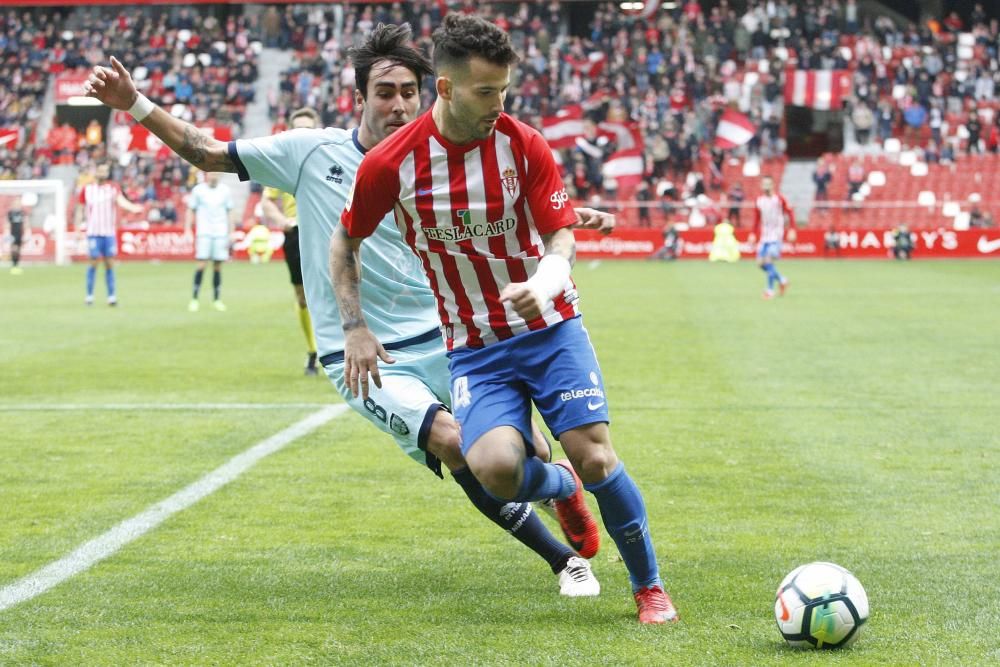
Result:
[
  {"x": 336, "y": 174},
  {"x": 509, "y": 180}
]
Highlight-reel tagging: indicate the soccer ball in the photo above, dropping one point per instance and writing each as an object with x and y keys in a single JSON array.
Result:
[{"x": 820, "y": 605}]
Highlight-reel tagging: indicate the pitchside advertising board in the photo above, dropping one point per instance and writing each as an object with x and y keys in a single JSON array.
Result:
[
  {"x": 161, "y": 243},
  {"x": 852, "y": 243},
  {"x": 170, "y": 243}
]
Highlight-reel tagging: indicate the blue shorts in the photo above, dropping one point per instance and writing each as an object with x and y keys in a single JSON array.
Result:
[
  {"x": 555, "y": 367},
  {"x": 769, "y": 250},
  {"x": 101, "y": 246}
]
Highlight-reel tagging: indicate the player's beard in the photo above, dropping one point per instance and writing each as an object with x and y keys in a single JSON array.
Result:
[{"x": 475, "y": 130}]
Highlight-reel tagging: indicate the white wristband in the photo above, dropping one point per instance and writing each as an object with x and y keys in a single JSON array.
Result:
[
  {"x": 551, "y": 276},
  {"x": 142, "y": 108}
]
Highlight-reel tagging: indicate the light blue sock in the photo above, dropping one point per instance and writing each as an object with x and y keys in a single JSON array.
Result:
[
  {"x": 109, "y": 279},
  {"x": 91, "y": 275},
  {"x": 624, "y": 515},
  {"x": 769, "y": 269}
]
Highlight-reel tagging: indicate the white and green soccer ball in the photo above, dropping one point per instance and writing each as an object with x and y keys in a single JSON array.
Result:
[{"x": 820, "y": 605}]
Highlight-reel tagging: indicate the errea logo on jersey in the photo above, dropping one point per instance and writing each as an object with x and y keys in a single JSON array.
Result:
[
  {"x": 559, "y": 199},
  {"x": 336, "y": 174},
  {"x": 594, "y": 395}
]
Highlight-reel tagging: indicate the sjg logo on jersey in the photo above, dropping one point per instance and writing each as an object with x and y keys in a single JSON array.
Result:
[
  {"x": 594, "y": 395},
  {"x": 559, "y": 199}
]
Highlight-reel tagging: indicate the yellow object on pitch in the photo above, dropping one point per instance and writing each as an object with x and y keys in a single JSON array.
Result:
[
  {"x": 259, "y": 244},
  {"x": 725, "y": 248}
]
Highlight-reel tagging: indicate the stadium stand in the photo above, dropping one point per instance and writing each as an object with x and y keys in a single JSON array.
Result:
[{"x": 647, "y": 88}]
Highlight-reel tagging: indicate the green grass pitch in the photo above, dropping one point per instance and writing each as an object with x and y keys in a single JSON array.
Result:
[{"x": 854, "y": 420}]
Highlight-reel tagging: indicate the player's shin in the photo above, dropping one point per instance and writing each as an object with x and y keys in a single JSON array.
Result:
[
  {"x": 544, "y": 480},
  {"x": 516, "y": 518},
  {"x": 198, "y": 274},
  {"x": 624, "y": 515},
  {"x": 91, "y": 276}
]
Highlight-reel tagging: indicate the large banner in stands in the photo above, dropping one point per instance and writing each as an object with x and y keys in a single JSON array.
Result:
[
  {"x": 69, "y": 85},
  {"x": 696, "y": 244},
  {"x": 160, "y": 243},
  {"x": 164, "y": 243}
]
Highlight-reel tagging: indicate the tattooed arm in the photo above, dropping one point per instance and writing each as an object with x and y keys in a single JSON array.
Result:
[
  {"x": 114, "y": 86},
  {"x": 562, "y": 243},
  {"x": 361, "y": 348}
]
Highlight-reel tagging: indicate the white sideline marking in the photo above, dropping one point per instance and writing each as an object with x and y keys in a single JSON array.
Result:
[
  {"x": 83, "y": 407},
  {"x": 128, "y": 530}
]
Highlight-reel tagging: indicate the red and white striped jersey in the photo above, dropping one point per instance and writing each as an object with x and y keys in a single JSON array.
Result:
[
  {"x": 769, "y": 225},
  {"x": 101, "y": 213},
  {"x": 474, "y": 215}
]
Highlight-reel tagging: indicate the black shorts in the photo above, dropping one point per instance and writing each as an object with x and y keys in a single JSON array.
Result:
[
  {"x": 292, "y": 258},
  {"x": 17, "y": 231}
]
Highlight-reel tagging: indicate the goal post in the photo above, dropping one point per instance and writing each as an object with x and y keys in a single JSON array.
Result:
[{"x": 44, "y": 203}]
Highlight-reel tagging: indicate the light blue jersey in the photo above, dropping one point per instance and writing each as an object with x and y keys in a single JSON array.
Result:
[
  {"x": 318, "y": 167},
  {"x": 211, "y": 208}
]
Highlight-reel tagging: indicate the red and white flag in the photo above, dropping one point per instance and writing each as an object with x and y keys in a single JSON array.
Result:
[
  {"x": 625, "y": 135},
  {"x": 9, "y": 137},
  {"x": 817, "y": 89},
  {"x": 591, "y": 66},
  {"x": 734, "y": 129},
  {"x": 627, "y": 167},
  {"x": 562, "y": 129}
]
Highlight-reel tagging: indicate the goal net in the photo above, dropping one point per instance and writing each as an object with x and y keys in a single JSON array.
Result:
[{"x": 45, "y": 209}]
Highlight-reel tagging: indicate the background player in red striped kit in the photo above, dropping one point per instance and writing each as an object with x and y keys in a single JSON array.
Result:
[
  {"x": 769, "y": 228},
  {"x": 98, "y": 209},
  {"x": 478, "y": 197}
]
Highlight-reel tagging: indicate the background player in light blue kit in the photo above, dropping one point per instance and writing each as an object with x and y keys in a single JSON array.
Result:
[{"x": 210, "y": 206}]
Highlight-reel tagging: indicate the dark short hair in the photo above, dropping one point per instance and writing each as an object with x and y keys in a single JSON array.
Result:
[
  {"x": 305, "y": 112},
  {"x": 464, "y": 36},
  {"x": 392, "y": 43}
]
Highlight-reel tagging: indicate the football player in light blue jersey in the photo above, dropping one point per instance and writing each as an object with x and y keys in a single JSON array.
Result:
[
  {"x": 210, "y": 205},
  {"x": 318, "y": 167}
]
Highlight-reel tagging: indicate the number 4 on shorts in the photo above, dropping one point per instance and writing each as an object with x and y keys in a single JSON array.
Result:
[{"x": 460, "y": 396}]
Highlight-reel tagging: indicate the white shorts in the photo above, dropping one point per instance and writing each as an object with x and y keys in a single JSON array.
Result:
[
  {"x": 215, "y": 248},
  {"x": 413, "y": 390}
]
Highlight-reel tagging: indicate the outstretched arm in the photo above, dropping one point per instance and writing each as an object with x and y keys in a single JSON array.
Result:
[
  {"x": 123, "y": 201},
  {"x": 114, "y": 87},
  {"x": 361, "y": 349}
]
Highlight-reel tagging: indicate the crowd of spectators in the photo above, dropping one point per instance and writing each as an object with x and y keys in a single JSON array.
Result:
[
  {"x": 206, "y": 65},
  {"x": 200, "y": 65},
  {"x": 672, "y": 73},
  {"x": 933, "y": 86},
  {"x": 195, "y": 64},
  {"x": 669, "y": 74}
]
